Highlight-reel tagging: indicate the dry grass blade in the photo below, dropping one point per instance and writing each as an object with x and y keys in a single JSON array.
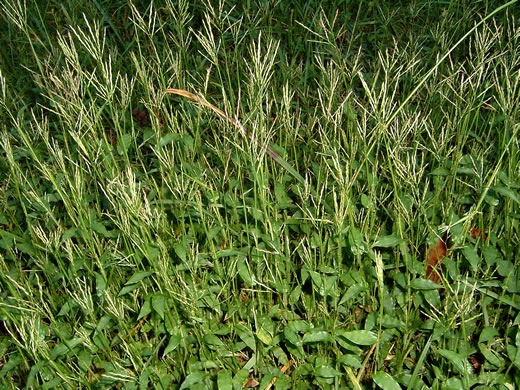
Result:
[
  {"x": 275, "y": 156},
  {"x": 201, "y": 100}
]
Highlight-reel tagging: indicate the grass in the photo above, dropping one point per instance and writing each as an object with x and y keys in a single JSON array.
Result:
[{"x": 274, "y": 234}]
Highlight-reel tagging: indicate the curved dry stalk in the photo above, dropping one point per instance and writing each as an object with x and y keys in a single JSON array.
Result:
[{"x": 201, "y": 100}]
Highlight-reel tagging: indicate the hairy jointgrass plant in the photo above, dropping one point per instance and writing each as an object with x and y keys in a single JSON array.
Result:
[{"x": 144, "y": 243}]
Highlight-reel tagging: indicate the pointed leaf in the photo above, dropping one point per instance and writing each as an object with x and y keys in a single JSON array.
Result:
[{"x": 385, "y": 381}]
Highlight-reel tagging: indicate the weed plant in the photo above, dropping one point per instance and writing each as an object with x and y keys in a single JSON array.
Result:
[{"x": 147, "y": 242}]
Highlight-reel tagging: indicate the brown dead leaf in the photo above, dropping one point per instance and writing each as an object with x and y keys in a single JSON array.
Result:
[
  {"x": 250, "y": 383},
  {"x": 141, "y": 117},
  {"x": 476, "y": 360},
  {"x": 284, "y": 370},
  {"x": 476, "y": 233},
  {"x": 434, "y": 258}
]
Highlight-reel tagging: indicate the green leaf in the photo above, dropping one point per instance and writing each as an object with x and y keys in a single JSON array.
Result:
[
  {"x": 387, "y": 241},
  {"x": 361, "y": 337},
  {"x": 243, "y": 271},
  {"x": 101, "y": 229},
  {"x": 127, "y": 289},
  {"x": 14, "y": 360},
  {"x": 180, "y": 250},
  {"x": 440, "y": 171},
  {"x": 326, "y": 372},
  {"x": 295, "y": 295},
  {"x": 32, "y": 374},
  {"x": 192, "y": 379},
  {"x": 63, "y": 348},
  {"x": 352, "y": 292},
  {"x": 470, "y": 253},
  {"x": 487, "y": 334},
  {"x": 316, "y": 336},
  {"x": 291, "y": 335},
  {"x": 350, "y": 360},
  {"x": 138, "y": 276},
  {"x": 246, "y": 335},
  {"x": 174, "y": 342},
  {"x": 168, "y": 138},
  {"x": 507, "y": 192},
  {"x": 385, "y": 381},
  {"x": 424, "y": 284},
  {"x": 101, "y": 284},
  {"x": 460, "y": 363},
  {"x": 159, "y": 304},
  {"x": 264, "y": 336},
  {"x": 212, "y": 340},
  {"x": 224, "y": 380},
  {"x": 124, "y": 143},
  {"x": 357, "y": 244},
  {"x": 239, "y": 378}
]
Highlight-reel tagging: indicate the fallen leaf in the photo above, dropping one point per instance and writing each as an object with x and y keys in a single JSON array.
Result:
[
  {"x": 284, "y": 370},
  {"x": 251, "y": 382},
  {"x": 141, "y": 117},
  {"x": 476, "y": 233},
  {"x": 476, "y": 360},
  {"x": 434, "y": 258}
]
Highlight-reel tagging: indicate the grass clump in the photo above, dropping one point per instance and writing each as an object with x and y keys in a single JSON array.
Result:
[{"x": 147, "y": 242}]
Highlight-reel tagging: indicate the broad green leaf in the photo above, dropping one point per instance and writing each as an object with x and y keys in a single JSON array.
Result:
[
  {"x": 357, "y": 244},
  {"x": 137, "y": 277},
  {"x": 361, "y": 337},
  {"x": 246, "y": 335},
  {"x": 326, "y": 372},
  {"x": 103, "y": 323},
  {"x": 64, "y": 347},
  {"x": 124, "y": 143},
  {"x": 180, "y": 250},
  {"x": 264, "y": 336},
  {"x": 424, "y": 284},
  {"x": 440, "y": 171},
  {"x": 159, "y": 304},
  {"x": 239, "y": 378},
  {"x": 127, "y": 289},
  {"x": 352, "y": 292},
  {"x": 144, "y": 378},
  {"x": 192, "y": 379},
  {"x": 295, "y": 295},
  {"x": 32, "y": 374},
  {"x": 167, "y": 139},
  {"x": 291, "y": 335},
  {"x": 460, "y": 363},
  {"x": 491, "y": 255},
  {"x": 66, "y": 308},
  {"x": 385, "y": 381},
  {"x": 243, "y": 271},
  {"x": 225, "y": 380},
  {"x": 350, "y": 360},
  {"x": 174, "y": 342},
  {"x": 490, "y": 356},
  {"x": 100, "y": 228},
  {"x": 14, "y": 360},
  {"x": 507, "y": 192},
  {"x": 101, "y": 284},
  {"x": 316, "y": 336},
  {"x": 212, "y": 340},
  {"x": 470, "y": 253},
  {"x": 387, "y": 241},
  {"x": 487, "y": 334}
]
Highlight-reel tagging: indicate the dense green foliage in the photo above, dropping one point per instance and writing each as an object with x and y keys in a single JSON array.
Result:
[{"x": 147, "y": 243}]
